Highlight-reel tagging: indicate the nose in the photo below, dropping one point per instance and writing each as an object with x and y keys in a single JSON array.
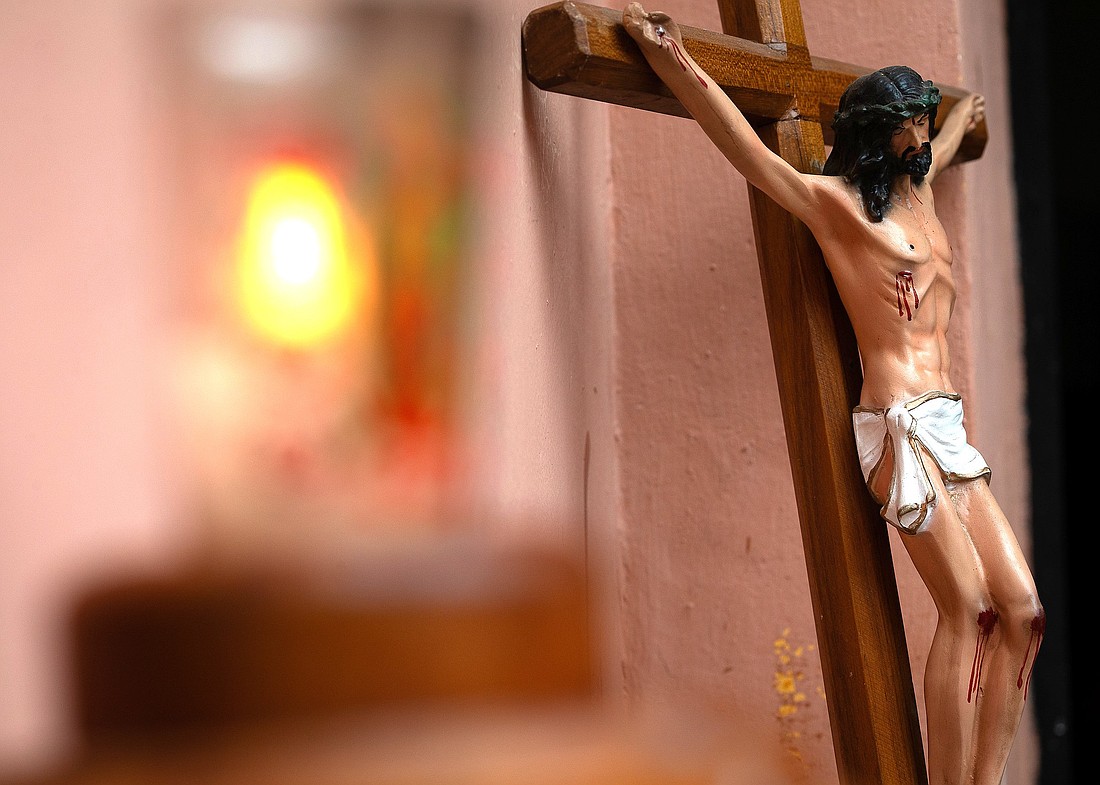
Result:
[{"x": 911, "y": 135}]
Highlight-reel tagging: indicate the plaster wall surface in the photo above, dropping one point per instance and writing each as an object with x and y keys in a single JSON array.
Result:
[{"x": 86, "y": 480}]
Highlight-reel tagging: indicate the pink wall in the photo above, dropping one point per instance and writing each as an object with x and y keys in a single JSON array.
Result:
[
  {"x": 622, "y": 394},
  {"x": 85, "y": 483},
  {"x": 540, "y": 374}
]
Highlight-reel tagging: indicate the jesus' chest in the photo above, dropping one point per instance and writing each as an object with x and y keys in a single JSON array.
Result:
[{"x": 915, "y": 255}]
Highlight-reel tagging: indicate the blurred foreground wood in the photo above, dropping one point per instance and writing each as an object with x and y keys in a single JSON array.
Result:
[
  {"x": 575, "y": 744},
  {"x": 445, "y": 665},
  {"x": 454, "y": 623}
]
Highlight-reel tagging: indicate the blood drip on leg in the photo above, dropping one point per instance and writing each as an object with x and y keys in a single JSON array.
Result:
[
  {"x": 987, "y": 620},
  {"x": 1038, "y": 629}
]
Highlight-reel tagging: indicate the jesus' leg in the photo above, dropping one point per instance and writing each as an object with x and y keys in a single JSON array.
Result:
[
  {"x": 1022, "y": 622},
  {"x": 948, "y": 563}
]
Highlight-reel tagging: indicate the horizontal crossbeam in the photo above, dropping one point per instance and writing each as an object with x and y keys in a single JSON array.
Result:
[{"x": 583, "y": 50}]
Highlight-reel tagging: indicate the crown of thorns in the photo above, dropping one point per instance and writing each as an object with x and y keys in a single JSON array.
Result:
[{"x": 868, "y": 114}]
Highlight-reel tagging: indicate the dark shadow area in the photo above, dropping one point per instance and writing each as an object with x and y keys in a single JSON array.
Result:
[{"x": 1051, "y": 109}]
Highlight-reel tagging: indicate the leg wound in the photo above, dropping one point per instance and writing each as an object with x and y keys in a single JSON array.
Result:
[
  {"x": 987, "y": 620},
  {"x": 1037, "y": 629}
]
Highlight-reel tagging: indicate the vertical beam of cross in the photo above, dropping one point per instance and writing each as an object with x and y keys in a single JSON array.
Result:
[
  {"x": 771, "y": 22},
  {"x": 869, "y": 688}
]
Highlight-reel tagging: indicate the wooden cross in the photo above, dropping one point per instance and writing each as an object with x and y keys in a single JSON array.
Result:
[{"x": 785, "y": 93}]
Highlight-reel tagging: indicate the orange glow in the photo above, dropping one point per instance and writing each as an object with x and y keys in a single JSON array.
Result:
[{"x": 298, "y": 283}]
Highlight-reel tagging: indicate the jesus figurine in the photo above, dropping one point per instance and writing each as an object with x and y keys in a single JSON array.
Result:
[{"x": 873, "y": 213}]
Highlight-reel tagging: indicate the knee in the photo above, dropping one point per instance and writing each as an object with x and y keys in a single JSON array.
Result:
[
  {"x": 976, "y": 608},
  {"x": 1015, "y": 619},
  {"x": 1018, "y": 619},
  {"x": 1023, "y": 619},
  {"x": 1023, "y": 631}
]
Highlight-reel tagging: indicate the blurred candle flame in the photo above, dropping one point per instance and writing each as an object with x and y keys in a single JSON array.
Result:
[{"x": 298, "y": 284}]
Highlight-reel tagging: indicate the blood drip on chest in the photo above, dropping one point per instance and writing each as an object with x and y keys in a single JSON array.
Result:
[{"x": 904, "y": 286}]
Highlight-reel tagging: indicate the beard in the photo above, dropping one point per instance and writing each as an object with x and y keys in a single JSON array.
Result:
[{"x": 915, "y": 162}]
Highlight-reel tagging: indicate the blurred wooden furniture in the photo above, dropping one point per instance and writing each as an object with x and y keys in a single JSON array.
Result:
[
  {"x": 449, "y": 622},
  {"x": 452, "y": 664},
  {"x": 576, "y": 744}
]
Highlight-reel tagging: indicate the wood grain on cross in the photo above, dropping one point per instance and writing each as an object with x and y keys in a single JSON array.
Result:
[{"x": 785, "y": 93}]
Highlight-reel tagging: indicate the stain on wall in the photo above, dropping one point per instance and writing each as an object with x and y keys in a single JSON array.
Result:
[{"x": 800, "y": 693}]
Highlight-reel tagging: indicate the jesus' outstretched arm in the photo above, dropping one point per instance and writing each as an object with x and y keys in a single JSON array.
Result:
[
  {"x": 659, "y": 39},
  {"x": 963, "y": 118}
]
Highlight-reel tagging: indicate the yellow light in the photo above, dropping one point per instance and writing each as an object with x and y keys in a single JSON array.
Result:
[
  {"x": 296, "y": 250},
  {"x": 298, "y": 286}
]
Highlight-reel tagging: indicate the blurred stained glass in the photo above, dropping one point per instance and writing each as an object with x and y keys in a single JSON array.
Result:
[{"x": 323, "y": 228}]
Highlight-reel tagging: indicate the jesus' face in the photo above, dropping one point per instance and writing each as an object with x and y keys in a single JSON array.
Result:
[{"x": 909, "y": 143}]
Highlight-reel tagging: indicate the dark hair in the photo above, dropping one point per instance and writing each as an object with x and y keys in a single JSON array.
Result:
[{"x": 869, "y": 109}]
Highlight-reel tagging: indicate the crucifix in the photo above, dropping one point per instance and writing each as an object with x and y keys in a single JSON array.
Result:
[{"x": 779, "y": 93}]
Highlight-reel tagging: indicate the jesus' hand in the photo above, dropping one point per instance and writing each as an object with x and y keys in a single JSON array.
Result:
[
  {"x": 973, "y": 109},
  {"x": 648, "y": 29}
]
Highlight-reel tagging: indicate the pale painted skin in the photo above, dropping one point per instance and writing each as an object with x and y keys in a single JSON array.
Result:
[{"x": 967, "y": 554}]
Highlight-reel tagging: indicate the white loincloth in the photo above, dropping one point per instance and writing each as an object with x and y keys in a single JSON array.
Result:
[{"x": 933, "y": 421}]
